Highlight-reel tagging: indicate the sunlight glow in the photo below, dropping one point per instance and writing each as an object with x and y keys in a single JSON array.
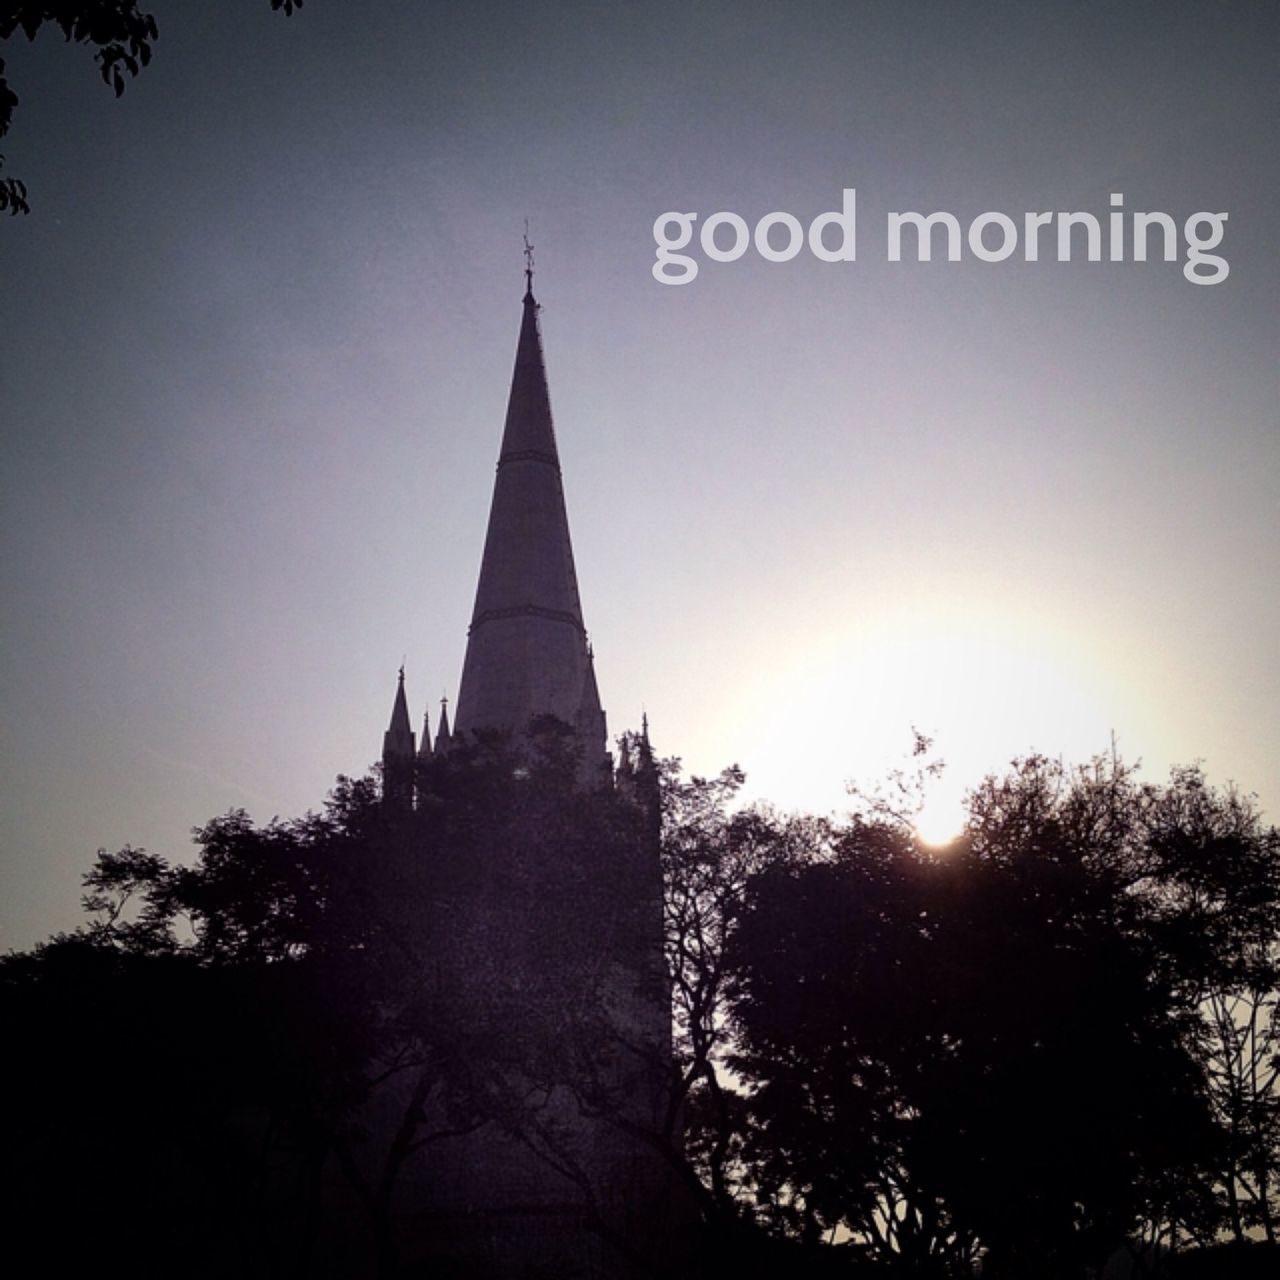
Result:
[
  {"x": 984, "y": 691},
  {"x": 942, "y": 819}
]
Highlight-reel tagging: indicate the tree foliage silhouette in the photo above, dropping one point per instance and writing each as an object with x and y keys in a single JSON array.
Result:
[
  {"x": 121, "y": 33},
  {"x": 284, "y": 1026},
  {"x": 1055, "y": 1038},
  {"x": 1002, "y": 1050},
  {"x": 710, "y": 855}
]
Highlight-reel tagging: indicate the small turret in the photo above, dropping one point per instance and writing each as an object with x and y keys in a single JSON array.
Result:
[
  {"x": 444, "y": 739},
  {"x": 424, "y": 750},
  {"x": 398, "y": 749}
]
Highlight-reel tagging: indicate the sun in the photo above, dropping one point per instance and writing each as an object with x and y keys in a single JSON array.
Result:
[{"x": 941, "y": 821}]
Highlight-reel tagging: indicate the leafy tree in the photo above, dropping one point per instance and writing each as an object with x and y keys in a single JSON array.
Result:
[
  {"x": 120, "y": 32},
  {"x": 710, "y": 852},
  {"x": 1215, "y": 885},
  {"x": 835, "y": 1021},
  {"x": 1199, "y": 873},
  {"x": 1242, "y": 1052},
  {"x": 291, "y": 1026},
  {"x": 239, "y": 1016},
  {"x": 1053, "y": 1037},
  {"x": 1001, "y": 1048}
]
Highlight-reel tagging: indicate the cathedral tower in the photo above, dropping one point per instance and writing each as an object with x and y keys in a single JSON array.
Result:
[
  {"x": 528, "y": 656},
  {"x": 543, "y": 939},
  {"x": 527, "y": 648}
]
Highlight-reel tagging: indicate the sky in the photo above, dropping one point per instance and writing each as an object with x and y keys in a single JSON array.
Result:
[{"x": 258, "y": 332}]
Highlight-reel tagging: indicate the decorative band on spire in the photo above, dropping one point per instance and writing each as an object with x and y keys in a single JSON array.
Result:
[
  {"x": 530, "y": 455},
  {"x": 528, "y": 611}
]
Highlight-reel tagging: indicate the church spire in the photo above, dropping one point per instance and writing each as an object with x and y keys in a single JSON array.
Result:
[
  {"x": 527, "y": 651},
  {"x": 424, "y": 747},
  {"x": 444, "y": 739},
  {"x": 397, "y": 752}
]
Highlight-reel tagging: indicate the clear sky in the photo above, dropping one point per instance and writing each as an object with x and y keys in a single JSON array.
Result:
[{"x": 258, "y": 332}]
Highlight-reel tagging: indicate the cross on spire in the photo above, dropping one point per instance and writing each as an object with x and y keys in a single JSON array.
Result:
[{"x": 528, "y": 262}]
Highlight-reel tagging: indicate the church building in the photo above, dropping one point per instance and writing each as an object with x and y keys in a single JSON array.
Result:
[{"x": 490, "y": 1203}]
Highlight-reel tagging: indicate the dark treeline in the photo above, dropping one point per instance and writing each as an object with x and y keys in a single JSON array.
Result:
[{"x": 1050, "y": 1045}]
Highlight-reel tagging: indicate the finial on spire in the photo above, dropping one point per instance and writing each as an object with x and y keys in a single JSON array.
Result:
[{"x": 528, "y": 263}]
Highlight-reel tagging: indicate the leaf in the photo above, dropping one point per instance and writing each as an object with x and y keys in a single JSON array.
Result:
[{"x": 13, "y": 196}]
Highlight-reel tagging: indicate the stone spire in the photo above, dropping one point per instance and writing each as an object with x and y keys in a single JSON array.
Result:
[
  {"x": 444, "y": 738},
  {"x": 424, "y": 748},
  {"x": 398, "y": 752},
  {"x": 527, "y": 649}
]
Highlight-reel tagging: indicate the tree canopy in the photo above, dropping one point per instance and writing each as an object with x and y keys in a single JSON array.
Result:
[
  {"x": 1052, "y": 1040},
  {"x": 1003, "y": 1050},
  {"x": 258, "y": 1045}
]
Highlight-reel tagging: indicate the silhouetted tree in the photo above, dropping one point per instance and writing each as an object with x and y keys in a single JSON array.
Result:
[
  {"x": 120, "y": 32},
  {"x": 710, "y": 855},
  {"x": 1199, "y": 874},
  {"x": 280, "y": 1028},
  {"x": 1215, "y": 885},
  {"x": 238, "y": 1017},
  {"x": 1050, "y": 1039},
  {"x": 1002, "y": 1048},
  {"x": 837, "y": 1029}
]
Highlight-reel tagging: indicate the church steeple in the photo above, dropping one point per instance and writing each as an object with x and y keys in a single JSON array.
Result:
[
  {"x": 398, "y": 752},
  {"x": 444, "y": 739},
  {"x": 527, "y": 650}
]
